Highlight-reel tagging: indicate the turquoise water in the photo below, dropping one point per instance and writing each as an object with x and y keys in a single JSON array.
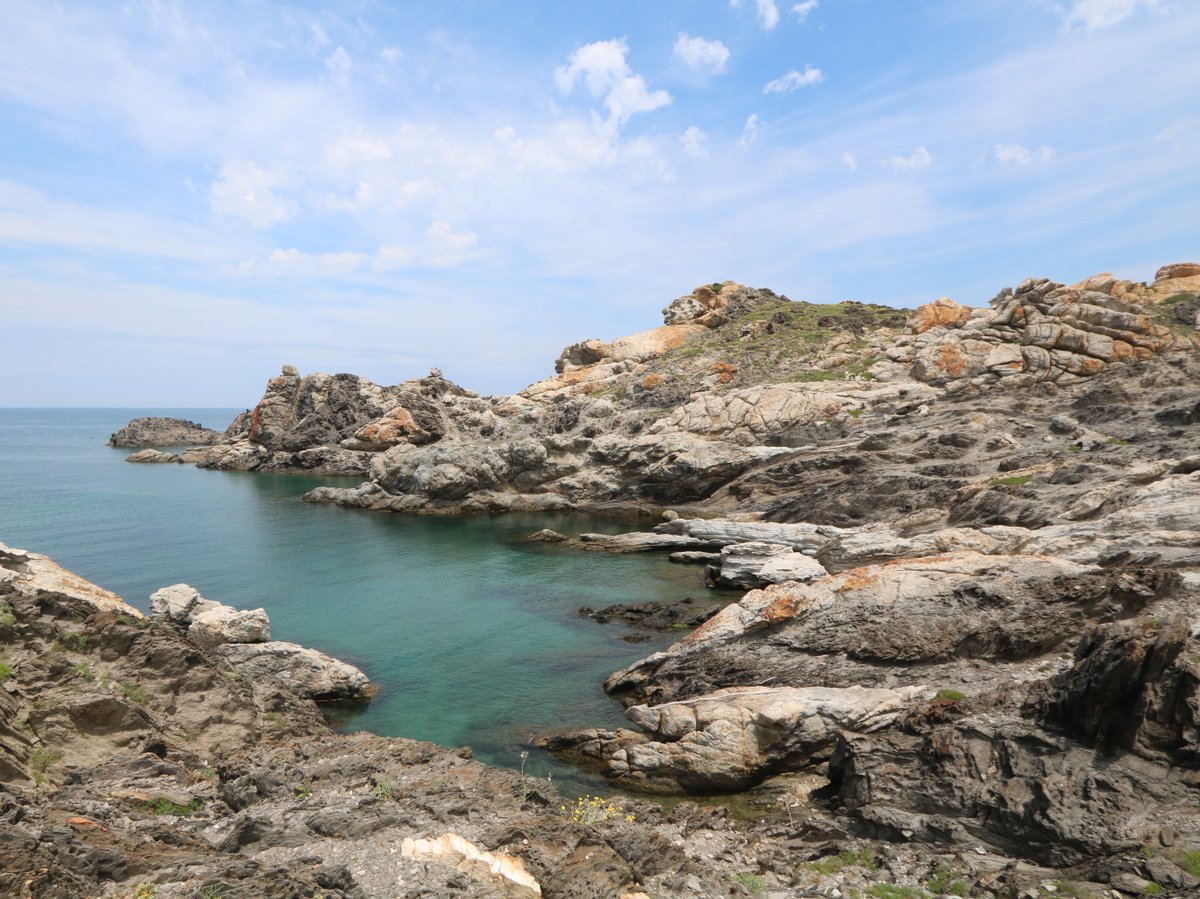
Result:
[{"x": 470, "y": 632}]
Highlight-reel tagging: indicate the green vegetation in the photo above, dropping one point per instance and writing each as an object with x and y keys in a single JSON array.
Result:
[
  {"x": 1164, "y": 313},
  {"x": 134, "y": 693},
  {"x": 751, "y": 882},
  {"x": 383, "y": 789},
  {"x": 1015, "y": 481},
  {"x": 5, "y": 672},
  {"x": 145, "y": 891},
  {"x": 895, "y": 891},
  {"x": 75, "y": 641},
  {"x": 208, "y": 773},
  {"x": 851, "y": 858},
  {"x": 302, "y": 791},
  {"x": 83, "y": 670},
  {"x": 1153, "y": 889},
  {"x": 593, "y": 810},
  {"x": 855, "y": 413},
  {"x": 1117, "y": 441},
  {"x": 1072, "y": 890},
  {"x": 212, "y": 892},
  {"x": 947, "y": 881},
  {"x": 161, "y": 805},
  {"x": 7, "y": 618},
  {"x": 951, "y": 695},
  {"x": 1189, "y": 861},
  {"x": 41, "y": 759},
  {"x": 130, "y": 621}
]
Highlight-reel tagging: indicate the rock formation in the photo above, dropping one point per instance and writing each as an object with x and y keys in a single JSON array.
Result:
[
  {"x": 973, "y": 536},
  {"x": 150, "y": 432}
]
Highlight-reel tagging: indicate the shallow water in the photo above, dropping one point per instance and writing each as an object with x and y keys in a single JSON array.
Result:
[{"x": 471, "y": 633}]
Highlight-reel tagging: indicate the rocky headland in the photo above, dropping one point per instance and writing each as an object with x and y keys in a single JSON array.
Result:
[{"x": 969, "y": 660}]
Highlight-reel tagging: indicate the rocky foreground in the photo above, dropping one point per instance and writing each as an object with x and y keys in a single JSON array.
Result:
[{"x": 969, "y": 660}]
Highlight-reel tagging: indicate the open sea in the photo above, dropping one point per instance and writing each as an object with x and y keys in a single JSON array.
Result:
[{"x": 471, "y": 633}]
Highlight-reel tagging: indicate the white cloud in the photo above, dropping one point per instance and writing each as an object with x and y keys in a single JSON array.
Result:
[
  {"x": 603, "y": 69},
  {"x": 1018, "y": 155},
  {"x": 247, "y": 192},
  {"x": 703, "y": 55},
  {"x": 750, "y": 131},
  {"x": 768, "y": 14},
  {"x": 850, "y": 161},
  {"x": 1092, "y": 15},
  {"x": 803, "y": 9},
  {"x": 694, "y": 140},
  {"x": 919, "y": 159},
  {"x": 794, "y": 80},
  {"x": 294, "y": 263},
  {"x": 440, "y": 247}
]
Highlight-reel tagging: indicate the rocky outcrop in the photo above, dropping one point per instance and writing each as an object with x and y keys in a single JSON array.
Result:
[
  {"x": 150, "y": 432},
  {"x": 242, "y": 640},
  {"x": 153, "y": 456},
  {"x": 731, "y": 739}
]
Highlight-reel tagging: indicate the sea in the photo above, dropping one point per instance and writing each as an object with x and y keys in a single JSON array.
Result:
[{"x": 471, "y": 632}]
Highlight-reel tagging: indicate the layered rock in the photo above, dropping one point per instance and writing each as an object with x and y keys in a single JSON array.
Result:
[{"x": 731, "y": 739}]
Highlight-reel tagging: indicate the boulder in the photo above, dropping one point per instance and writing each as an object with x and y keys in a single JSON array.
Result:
[
  {"x": 941, "y": 313},
  {"x": 301, "y": 670},
  {"x": 214, "y": 624},
  {"x": 176, "y": 603},
  {"x": 746, "y": 565}
]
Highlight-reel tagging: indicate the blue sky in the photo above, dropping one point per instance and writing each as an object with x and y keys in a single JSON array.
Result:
[{"x": 192, "y": 194}]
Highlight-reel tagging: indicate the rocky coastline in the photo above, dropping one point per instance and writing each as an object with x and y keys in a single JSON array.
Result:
[{"x": 969, "y": 660}]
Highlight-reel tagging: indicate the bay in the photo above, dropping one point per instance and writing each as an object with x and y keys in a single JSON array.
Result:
[{"x": 471, "y": 632}]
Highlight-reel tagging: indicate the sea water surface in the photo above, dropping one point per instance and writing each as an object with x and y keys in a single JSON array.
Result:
[{"x": 471, "y": 632}]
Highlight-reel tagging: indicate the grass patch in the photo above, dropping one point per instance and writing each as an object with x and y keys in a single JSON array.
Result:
[
  {"x": 41, "y": 759},
  {"x": 1189, "y": 861},
  {"x": 894, "y": 891},
  {"x": 75, "y": 641},
  {"x": 1153, "y": 889},
  {"x": 807, "y": 377},
  {"x": 1164, "y": 313},
  {"x": 947, "y": 881},
  {"x": 1117, "y": 441},
  {"x": 851, "y": 858},
  {"x": 1015, "y": 481},
  {"x": 951, "y": 695},
  {"x": 161, "y": 805},
  {"x": 383, "y": 789},
  {"x": 752, "y": 882},
  {"x": 856, "y": 413},
  {"x": 134, "y": 693},
  {"x": 7, "y": 618},
  {"x": 83, "y": 670},
  {"x": 6, "y": 672}
]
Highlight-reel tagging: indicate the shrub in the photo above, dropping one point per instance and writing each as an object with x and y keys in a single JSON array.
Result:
[
  {"x": 752, "y": 882},
  {"x": 5, "y": 672},
  {"x": 593, "y": 810},
  {"x": 851, "y": 858},
  {"x": 134, "y": 693},
  {"x": 951, "y": 695}
]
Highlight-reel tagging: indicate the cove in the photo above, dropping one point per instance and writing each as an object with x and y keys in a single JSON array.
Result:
[{"x": 471, "y": 633}]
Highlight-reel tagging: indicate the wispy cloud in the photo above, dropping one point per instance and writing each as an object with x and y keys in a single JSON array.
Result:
[
  {"x": 794, "y": 80},
  {"x": 1091, "y": 15},
  {"x": 1018, "y": 155},
  {"x": 701, "y": 54},
  {"x": 920, "y": 158},
  {"x": 803, "y": 9}
]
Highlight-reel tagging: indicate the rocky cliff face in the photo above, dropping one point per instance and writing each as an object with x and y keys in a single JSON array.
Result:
[{"x": 974, "y": 538}]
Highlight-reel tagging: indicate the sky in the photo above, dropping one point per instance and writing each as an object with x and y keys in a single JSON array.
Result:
[{"x": 194, "y": 194}]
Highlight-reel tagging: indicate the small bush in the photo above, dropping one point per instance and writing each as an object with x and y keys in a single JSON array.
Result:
[
  {"x": 83, "y": 670},
  {"x": 752, "y": 882},
  {"x": 946, "y": 881},
  {"x": 41, "y": 759},
  {"x": 7, "y": 618},
  {"x": 951, "y": 695},
  {"x": 75, "y": 641},
  {"x": 135, "y": 693},
  {"x": 5, "y": 672},
  {"x": 383, "y": 789},
  {"x": 593, "y": 810}
]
